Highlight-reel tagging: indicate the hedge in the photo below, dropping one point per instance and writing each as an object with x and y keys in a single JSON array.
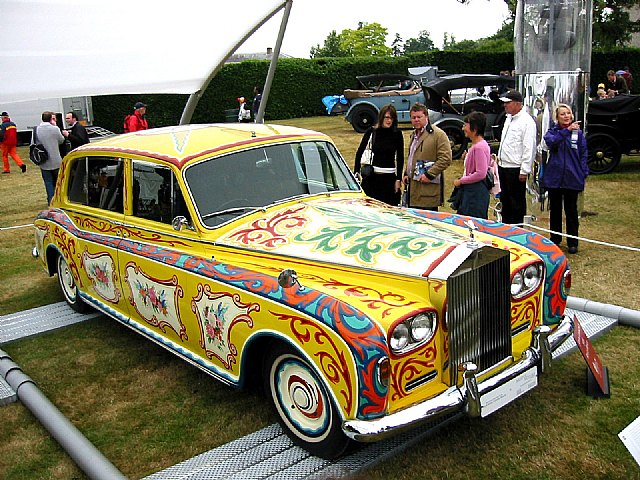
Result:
[{"x": 300, "y": 84}]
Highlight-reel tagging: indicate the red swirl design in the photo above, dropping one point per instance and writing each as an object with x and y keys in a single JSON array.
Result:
[
  {"x": 333, "y": 364},
  {"x": 264, "y": 231}
]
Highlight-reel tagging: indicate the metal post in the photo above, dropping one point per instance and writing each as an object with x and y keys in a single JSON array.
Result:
[
  {"x": 274, "y": 62},
  {"x": 194, "y": 98},
  {"x": 81, "y": 450}
]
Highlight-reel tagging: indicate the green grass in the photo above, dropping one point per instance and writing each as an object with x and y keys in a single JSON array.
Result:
[{"x": 146, "y": 410}]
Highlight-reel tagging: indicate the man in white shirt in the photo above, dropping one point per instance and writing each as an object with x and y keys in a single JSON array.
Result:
[{"x": 515, "y": 157}]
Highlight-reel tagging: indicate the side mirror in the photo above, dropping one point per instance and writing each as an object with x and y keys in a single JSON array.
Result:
[{"x": 180, "y": 222}]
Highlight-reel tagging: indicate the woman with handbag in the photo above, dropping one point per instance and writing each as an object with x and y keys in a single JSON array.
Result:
[
  {"x": 380, "y": 158},
  {"x": 472, "y": 197},
  {"x": 564, "y": 174}
]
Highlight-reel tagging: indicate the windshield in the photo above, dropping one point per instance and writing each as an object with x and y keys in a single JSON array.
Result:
[{"x": 226, "y": 187}]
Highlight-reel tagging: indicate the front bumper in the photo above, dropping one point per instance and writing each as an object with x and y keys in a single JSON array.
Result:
[{"x": 467, "y": 397}]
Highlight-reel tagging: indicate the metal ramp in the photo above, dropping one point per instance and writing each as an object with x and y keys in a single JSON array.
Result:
[{"x": 267, "y": 453}]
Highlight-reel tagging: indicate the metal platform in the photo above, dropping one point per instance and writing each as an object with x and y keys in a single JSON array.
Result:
[{"x": 267, "y": 453}]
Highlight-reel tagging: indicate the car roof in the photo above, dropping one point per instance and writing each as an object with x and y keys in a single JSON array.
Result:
[
  {"x": 443, "y": 85},
  {"x": 182, "y": 143}
]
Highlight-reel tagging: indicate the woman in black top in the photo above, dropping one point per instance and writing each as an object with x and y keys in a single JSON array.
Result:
[{"x": 388, "y": 158}]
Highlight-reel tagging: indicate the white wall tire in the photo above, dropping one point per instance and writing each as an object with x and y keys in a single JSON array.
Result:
[
  {"x": 305, "y": 410},
  {"x": 69, "y": 287}
]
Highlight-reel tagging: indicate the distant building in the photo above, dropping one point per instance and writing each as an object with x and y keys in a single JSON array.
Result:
[
  {"x": 239, "y": 57},
  {"x": 634, "y": 15}
]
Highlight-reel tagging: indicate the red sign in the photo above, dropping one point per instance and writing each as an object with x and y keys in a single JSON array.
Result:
[{"x": 590, "y": 355}]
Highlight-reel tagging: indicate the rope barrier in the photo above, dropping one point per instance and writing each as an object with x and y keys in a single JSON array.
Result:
[
  {"x": 16, "y": 226},
  {"x": 597, "y": 242}
]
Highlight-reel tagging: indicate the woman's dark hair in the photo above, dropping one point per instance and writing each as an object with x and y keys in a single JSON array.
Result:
[
  {"x": 392, "y": 111},
  {"x": 477, "y": 122}
]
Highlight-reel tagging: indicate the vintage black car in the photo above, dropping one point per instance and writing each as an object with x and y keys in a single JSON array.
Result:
[
  {"x": 612, "y": 130},
  {"x": 449, "y": 98}
]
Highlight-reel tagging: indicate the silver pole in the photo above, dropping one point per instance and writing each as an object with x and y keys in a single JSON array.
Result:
[
  {"x": 274, "y": 62},
  {"x": 81, "y": 450},
  {"x": 194, "y": 98}
]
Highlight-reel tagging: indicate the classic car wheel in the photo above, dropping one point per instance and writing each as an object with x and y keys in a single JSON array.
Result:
[
  {"x": 604, "y": 153},
  {"x": 69, "y": 287},
  {"x": 457, "y": 140},
  {"x": 363, "y": 118},
  {"x": 305, "y": 410}
]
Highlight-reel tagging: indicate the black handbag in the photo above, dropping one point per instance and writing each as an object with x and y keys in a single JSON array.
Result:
[
  {"x": 489, "y": 180},
  {"x": 37, "y": 153}
]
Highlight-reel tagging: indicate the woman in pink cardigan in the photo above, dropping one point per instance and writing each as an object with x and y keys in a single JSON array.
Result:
[{"x": 473, "y": 194}]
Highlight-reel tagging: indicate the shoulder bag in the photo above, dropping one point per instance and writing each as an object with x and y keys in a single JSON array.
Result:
[
  {"x": 366, "y": 161},
  {"x": 37, "y": 153}
]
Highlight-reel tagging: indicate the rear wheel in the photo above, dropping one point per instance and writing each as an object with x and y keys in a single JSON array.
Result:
[
  {"x": 604, "y": 153},
  {"x": 305, "y": 410},
  {"x": 69, "y": 287},
  {"x": 363, "y": 118},
  {"x": 457, "y": 140}
]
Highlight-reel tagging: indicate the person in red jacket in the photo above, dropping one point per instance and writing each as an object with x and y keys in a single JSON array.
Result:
[
  {"x": 9, "y": 138},
  {"x": 136, "y": 121}
]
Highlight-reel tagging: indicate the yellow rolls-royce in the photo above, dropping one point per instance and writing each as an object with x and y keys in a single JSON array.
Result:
[{"x": 251, "y": 251}]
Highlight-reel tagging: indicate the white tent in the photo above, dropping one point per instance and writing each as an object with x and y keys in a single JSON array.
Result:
[{"x": 64, "y": 48}]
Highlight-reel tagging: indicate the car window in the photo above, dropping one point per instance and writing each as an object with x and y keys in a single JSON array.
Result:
[
  {"x": 261, "y": 176},
  {"x": 156, "y": 193},
  {"x": 97, "y": 182}
]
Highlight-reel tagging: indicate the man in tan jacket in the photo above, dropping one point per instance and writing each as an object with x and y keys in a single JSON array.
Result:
[{"x": 429, "y": 156}]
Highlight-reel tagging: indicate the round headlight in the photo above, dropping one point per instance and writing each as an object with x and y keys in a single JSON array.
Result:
[
  {"x": 517, "y": 283},
  {"x": 421, "y": 327},
  {"x": 399, "y": 337},
  {"x": 531, "y": 276}
]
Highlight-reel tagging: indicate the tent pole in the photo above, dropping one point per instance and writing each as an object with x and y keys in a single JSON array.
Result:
[
  {"x": 274, "y": 62},
  {"x": 194, "y": 98}
]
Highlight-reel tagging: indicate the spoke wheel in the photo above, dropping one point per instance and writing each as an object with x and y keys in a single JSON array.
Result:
[
  {"x": 457, "y": 140},
  {"x": 363, "y": 118},
  {"x": 305, "y": 410},
  {"x": 69, "y": 287},
  {"x": 604, "y": 153}
]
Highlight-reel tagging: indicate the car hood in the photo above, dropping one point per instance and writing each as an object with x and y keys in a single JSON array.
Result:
[{"x": 357, "y": 232}]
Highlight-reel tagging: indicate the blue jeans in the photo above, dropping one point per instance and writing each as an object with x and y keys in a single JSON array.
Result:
[{"x": 50, "y": 178}]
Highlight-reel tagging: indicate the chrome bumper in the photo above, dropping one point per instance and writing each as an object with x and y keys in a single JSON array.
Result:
[{"x": 466, "y": 397}]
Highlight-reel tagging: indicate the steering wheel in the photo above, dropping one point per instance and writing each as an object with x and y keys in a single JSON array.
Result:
[{"x": 234, "y": 202}]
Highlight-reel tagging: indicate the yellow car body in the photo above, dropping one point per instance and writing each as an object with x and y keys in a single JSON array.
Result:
[{"x": 250, "y": 250}]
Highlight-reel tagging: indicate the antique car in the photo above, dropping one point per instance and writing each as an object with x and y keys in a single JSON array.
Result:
[
  {"x": 449, "y": 98},
  {"x": 376, "y": 91},
  {"x": 251, "y": 252},
  {"x": 612, "y": 131},
  {"x": 452, "y": 97}
]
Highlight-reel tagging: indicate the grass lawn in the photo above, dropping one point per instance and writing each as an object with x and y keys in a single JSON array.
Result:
[{"x": 145, "y": 409}]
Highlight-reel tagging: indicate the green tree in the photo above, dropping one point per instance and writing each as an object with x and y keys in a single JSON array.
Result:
[
  {"x": 397, "y": 46},
  {"x": 368, "y": 40},
  {"x": 331, "y": 47},
  {"x": 421, "y": 44}
]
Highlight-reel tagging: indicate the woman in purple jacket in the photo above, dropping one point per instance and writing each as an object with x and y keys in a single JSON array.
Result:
[{"x": 565, "y": 173}]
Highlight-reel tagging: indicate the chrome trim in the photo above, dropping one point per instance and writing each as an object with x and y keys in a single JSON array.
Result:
[{"x": 467, "y": 397}]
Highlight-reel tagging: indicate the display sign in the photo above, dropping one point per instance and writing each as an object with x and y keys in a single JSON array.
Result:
[
  {"x": 630, "y": 436},
  {"x": 596, "y": 368}
]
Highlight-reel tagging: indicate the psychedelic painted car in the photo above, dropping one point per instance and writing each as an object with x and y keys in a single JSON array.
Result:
[{"x": 251, "y": 252}]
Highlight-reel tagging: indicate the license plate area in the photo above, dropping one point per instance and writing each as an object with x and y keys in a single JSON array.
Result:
[{"x": 508, "y": 392}]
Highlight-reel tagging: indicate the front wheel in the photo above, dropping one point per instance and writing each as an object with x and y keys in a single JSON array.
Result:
[
  {"x": 363, "y": 118},
  {"x": 69, "y": 287},
  {"x": 604, "y": 153},
  {"x": 305, "y": 410},
  {"x": 457, "y": 140}
]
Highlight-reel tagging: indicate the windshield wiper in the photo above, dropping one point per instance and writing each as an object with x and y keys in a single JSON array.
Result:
[{"x": 230, "y": 210}]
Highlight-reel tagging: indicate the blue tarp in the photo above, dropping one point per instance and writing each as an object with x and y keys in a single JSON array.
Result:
[{"x": 331, "y": 100}]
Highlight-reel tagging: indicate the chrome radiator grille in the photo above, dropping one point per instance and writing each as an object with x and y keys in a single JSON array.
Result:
[{"x": 478, "y": 311}]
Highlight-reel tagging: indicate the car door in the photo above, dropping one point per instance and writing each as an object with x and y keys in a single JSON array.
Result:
[
  {"x": 154, "y": 256},
  {"x": 93, "y": 199}
]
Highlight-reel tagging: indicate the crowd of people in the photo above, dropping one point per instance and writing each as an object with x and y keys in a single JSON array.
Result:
[
  {"x": 503, "y": 176},
  {"x": 420, "y": 182}
]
